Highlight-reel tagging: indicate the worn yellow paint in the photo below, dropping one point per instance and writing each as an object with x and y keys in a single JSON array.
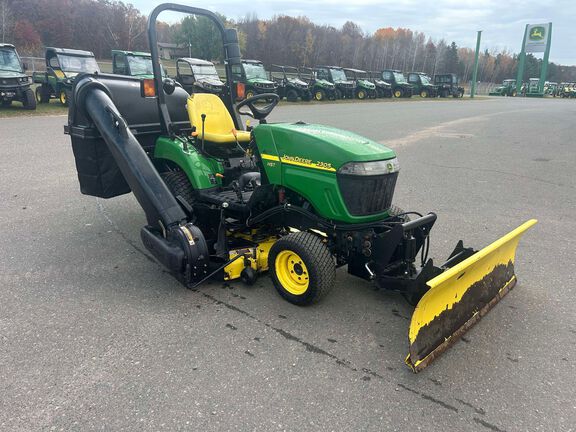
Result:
[{"x": 447, "y": 289}]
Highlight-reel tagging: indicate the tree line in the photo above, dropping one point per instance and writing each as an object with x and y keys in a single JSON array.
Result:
[{"x": 102, "y": 25}]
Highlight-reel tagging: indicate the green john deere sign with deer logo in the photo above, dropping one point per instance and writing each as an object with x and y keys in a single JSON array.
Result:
[
  {"x": 537, "y": 33},
  {"x": 537, "y": 38}
]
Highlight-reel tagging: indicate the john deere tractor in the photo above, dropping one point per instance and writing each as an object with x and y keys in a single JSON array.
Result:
[
  {"x": 296, "y": 200},
  {"x": 14, "y": 83},
  {"x": 62, "y": 66},
  {"x": 320, "y": 89},
  {"x": 508, "y": 88},
  {"x": 400, "y": 87},
  {"x": 422, "y": 85},
  {"x": 290, "y": 86},
  {"x": 345, "y": 88},
  {"x": 364, "y": 87}
]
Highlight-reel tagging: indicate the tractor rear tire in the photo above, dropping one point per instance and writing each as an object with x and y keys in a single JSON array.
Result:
[
  {"x": 302, "y": 268},
  {"x": 179, "y": 185},
  {"x": 292, "y": 96},
  {"x": 29, "y": 100}
]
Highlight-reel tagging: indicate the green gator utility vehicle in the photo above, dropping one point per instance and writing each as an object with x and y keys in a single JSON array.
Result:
[
  {"x": 533, "y": 88},
  {"x": 133, "y": 63},
  {"x": 364, "y": 87},
  {"x": 448, "y": 85},
  {"x": 290, "y": 86},
  {"x": 400, "y": 86},
  {"x": 422, "y": 85},
  {"x": 295, "y": 199},
  {"x": 199, "y": 76},
  {"x": 345, "y": 89},
  {"x": 383, "y": 89},
  {"x": 62, "y": 66},
  {"x": 14, "y": 83},
  {"x": 320, "y": 89},
  {"x": 251, "y": 79},
  {"x": 508, "y": 88}
]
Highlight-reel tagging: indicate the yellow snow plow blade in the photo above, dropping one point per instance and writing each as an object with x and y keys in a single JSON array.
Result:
[{"x": 460, "y": 296}]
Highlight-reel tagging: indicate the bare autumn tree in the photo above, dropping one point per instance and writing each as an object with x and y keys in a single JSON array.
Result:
[{"x": 6, "y": 20}]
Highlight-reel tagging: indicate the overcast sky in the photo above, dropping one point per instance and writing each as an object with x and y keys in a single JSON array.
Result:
[{"x": 502, "y": 22}]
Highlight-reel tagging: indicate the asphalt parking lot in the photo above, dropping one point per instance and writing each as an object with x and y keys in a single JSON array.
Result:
[{"x": 94, "y": 335}]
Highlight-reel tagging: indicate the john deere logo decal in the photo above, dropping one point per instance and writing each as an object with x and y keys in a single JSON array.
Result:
[{"x": 537, "y": 33}]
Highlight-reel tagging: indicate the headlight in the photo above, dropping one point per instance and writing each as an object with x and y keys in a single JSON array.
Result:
[
  {"x": 370, "y": 168},
  {"x": 24, "y": 79}
]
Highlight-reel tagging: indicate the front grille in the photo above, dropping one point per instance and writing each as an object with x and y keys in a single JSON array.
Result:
[
  {"x": 9, "y": 81},
  {"x": 366, "y": 195}
]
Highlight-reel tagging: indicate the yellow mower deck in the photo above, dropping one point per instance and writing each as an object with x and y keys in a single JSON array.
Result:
[{"x": 460, "y": 296}]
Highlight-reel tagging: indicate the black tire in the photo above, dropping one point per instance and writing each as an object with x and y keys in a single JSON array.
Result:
[
  {"x": 319, "y": 95},
  {"x": 398, "y": 93},
  {"x": 338, "y": 94},
  {"x": 424, "y": 93},
  {"x": 249, "y": 93},
  {"x": 6, "y": 103},
  {"x": 306, "y": 96},
  {"x": 29, "y": 100},
  {"x": 361, "y": 94},
  {"x": 42, "y": 94},
  {"x": 179, "y": 185},
  {"x": 316, "y": 265},
  {"x": 292, "y": 95}
]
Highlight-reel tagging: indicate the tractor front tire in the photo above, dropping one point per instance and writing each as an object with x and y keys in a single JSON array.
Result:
[
  {"x": 29, "y": 100},
  {"x": 302, "y": 268},
  {"x": 361, "y": 94}
]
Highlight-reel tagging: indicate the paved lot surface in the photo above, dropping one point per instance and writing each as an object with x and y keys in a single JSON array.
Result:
[{"x": 94, "y": 335}]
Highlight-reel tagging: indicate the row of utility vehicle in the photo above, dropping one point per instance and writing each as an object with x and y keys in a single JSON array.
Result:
[{"x": 250, "y": 78}]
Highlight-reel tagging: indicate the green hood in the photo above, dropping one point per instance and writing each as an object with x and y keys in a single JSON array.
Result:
[
  {"x": 324, "y": 83},
  {"x": 318, "y": 143},
  {"x": 366, "y": 84}
]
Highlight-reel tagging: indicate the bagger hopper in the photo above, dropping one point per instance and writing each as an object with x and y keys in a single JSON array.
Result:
[{"x": 297, "y": 200}]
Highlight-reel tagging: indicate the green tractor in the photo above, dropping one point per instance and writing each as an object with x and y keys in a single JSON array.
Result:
[
  {"x": 364, "y": 87},
  {"x": 290, "y": 86},
  {"x": 14, "y": 83},
  {"x": 251, "y": 79},
  {"x": 448, "y": 85},
  {"x": 400, "y": 86},
  {"x": 199, "y": 76},
  {"x": 551, "y": 88},
  {"x": 319, "y": 88},
  {"x": 62, "y": 66},
  {"x": 508, "y": 88},
  {"x": 297, "y": 200},
  {"x": 345, "y": 89},
  {"x": 422, "y": 85},
  {"x": 383, "y": 89},
  {"x": 133, "y": 63}
]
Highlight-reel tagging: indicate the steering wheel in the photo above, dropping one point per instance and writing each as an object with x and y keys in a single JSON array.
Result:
[{"x": 259, "y": 113}]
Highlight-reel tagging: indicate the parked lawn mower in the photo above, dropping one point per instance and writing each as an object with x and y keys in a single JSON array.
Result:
[
  {"x": 321, "y": 89},
  {"x": 290, "y": 86},
  {"x": 295, "y": 199},
  {"x": 364, "y": 87},
  {"x": 14, "y": 83},
  {"x": 508, "y": 88},
  {"x": 383, "y": 89},
  {"x": 62, "y": 66},
  {"x": 400, "y": 87},
  {"x": 448, "y": 85},
  {"x": 199, "y": 76},
  {"x": 345, "y": 88}
]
